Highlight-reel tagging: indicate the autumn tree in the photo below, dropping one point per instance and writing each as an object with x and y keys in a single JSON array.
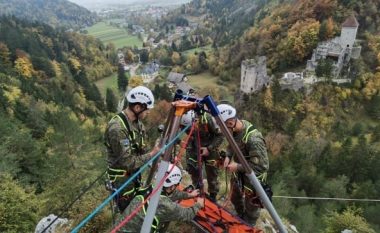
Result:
[
  {"x": 193, "y": 63},
  {"x": 74, "y": 65},
  {"x": 135, "y": 81},
  {"x": 159, "y": 113},
  {"x": 326, "y": 30},
  {"x": 371, "y": 84},
  {"x": 24, "y": 67},
  {"x": 176, "y": 58},
  {"x": 129, "y": 56},
  {"x": 302, "y": 39},
  {"x": 57, "y": 68}
]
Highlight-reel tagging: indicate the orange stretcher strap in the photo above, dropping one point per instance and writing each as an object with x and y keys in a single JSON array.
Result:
[{"x": 214, "y": 218}]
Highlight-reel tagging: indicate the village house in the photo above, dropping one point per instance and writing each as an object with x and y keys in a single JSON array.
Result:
[{"x": 179, "y": 81}]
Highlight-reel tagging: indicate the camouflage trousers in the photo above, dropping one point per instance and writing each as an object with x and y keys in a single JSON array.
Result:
[
  {"x": 211, "y": 169},
  {"x": 245, "y": 207}
]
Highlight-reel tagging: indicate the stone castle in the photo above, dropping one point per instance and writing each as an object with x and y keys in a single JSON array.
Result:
[{"x": 340, "y": 49}]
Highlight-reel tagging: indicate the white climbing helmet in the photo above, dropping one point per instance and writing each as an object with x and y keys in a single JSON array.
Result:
[
  {"x": 142, "y": 95},
  {"x": 226, "y": 111},
  {"x": 174, "y": 177},
  {"x": 187, "y": 118}
]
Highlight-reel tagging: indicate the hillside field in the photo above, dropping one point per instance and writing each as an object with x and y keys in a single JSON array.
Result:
[
  {"x": 207, "y": 49},
  {"x": 118, "y": 36},
  {"x": 206, "y": 84}
]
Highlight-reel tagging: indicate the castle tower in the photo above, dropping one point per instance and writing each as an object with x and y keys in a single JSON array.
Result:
[
  {"x": 348, "y": 33},
  {"x": 253, "y": 75}
]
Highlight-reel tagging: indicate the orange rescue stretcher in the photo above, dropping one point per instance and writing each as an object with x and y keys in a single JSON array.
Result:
[{"x": 214, "y": 218}]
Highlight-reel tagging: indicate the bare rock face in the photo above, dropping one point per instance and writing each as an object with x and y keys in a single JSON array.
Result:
[
  {"x": 46, "y": 221},
  {"x": 267, "y": 224}
]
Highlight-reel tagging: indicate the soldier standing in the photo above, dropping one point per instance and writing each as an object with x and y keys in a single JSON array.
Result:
[
  {"x": 210, "y": 140},
  {"x": 125, "y": 142},
  {"x": 252, "y": 144}
]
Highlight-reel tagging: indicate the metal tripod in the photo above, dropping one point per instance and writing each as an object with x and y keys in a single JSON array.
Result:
[{"x": 181, "y": 105}]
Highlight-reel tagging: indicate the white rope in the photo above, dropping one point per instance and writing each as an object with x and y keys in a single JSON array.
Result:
[{"x": 329, "y": 198}]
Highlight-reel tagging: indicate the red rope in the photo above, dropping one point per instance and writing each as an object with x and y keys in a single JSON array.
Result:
[{"x": 135, "y": 211}]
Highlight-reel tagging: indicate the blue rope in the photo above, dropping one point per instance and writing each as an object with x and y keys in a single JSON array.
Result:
[{"x": 142, "y": 168}]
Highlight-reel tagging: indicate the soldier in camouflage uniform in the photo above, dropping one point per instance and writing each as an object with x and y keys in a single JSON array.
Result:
[
  {"x": 252, "y": 144},
  {"x": 167, "y": 210},
  {"x": 124, "y": 139},
  {"x": 210, "y": 139}
]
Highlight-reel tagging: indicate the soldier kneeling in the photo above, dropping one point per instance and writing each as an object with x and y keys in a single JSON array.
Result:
[{"x": 167, "y": 210}]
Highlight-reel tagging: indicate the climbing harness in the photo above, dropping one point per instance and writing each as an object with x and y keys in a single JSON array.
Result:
[
  {"x": 114, "y": 174},
  {"x": 177, "y": 159},
  {"x": 136, "y": 147},
  {"x": 142, "y": 194},
  {"x": 65, "y": 209}
]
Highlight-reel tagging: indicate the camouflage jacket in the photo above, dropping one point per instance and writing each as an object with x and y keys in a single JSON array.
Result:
[
  {"x": 125, "y": 150},
  {"x": 209, "y": 133},
  {"x": 252, "y": 145},
  {"x": 167, "y": 210}
]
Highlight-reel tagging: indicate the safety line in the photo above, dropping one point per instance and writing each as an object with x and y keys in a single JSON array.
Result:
[
  {"x": 329, "y": 198},
  {"x": 135, "y": 211},
  {"x": 141, "y": 169}
]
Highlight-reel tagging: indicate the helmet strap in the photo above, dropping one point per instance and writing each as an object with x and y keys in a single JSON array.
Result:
[
  {"x": 169, "y": 190},
  {"x": 137, "y": 114},
  {"x": 235, "y": 123}
]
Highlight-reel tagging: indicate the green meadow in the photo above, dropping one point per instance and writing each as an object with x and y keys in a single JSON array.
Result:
[
  {"x": 109, "y": 82},
  {"x": 111, "y": 34}
]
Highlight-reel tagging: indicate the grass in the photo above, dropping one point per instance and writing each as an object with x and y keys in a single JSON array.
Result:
[
  {"x": 205, "y": 83},
  {"x": 109, "y": 82},
  {"x": 110, "y": 34},
  {"x": 202, "y": 80},
  {"x": 206, "y": 48}
]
